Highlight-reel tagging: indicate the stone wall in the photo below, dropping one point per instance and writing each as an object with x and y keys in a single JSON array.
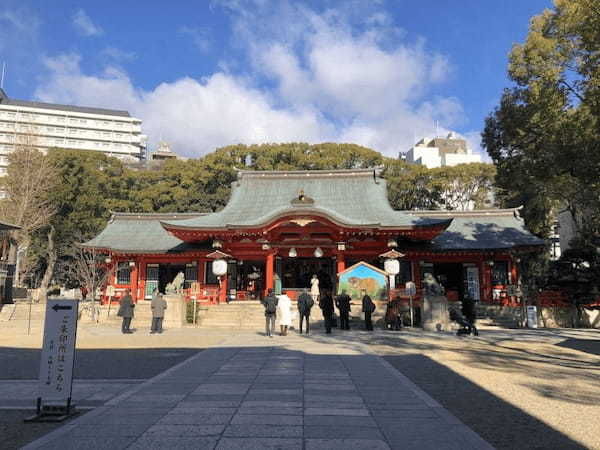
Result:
[{"x": 548, "y": 316}]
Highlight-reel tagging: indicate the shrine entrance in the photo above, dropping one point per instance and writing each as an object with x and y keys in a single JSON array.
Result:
[{"x": 295, "y": 273}]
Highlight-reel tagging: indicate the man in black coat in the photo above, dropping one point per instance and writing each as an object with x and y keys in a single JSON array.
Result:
[
  {"x": 343, "y": 304},
  {"x": 468, "y": 311},
  {"x": 270, "y": 304},
  {"x": 368, "y": 307},
  {"x": 326, "y": 305},
  {"x": 158, "y": 306},
  {"x": 126, "y": 306},
  {"x": 305, "y": 303}
]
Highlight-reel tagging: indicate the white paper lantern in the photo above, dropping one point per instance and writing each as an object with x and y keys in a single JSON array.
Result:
[
  {"x": 318, "y": 252},
  {"x": 219, "y": 267},
  {"x": 392, "y": 266}
]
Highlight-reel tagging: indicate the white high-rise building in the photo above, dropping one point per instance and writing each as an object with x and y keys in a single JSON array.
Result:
[
  {"x": 439, "y": 152},
  {"x": 46, "y": 125}
]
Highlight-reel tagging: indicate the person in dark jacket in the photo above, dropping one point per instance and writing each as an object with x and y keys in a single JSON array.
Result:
[
  {"x": 368, "y": 308},
  {"x": 305, "y": 303},
  {"x": 326, "y": 305},
  {"x": 158, "y": 306},
  {"x": 126, "y": 306},
  {"x": 468, "y": 311},
  {"x": 392, "y": 314},
  {"x": 270, "y": 303},
  {"x": 343, "y": 304}
]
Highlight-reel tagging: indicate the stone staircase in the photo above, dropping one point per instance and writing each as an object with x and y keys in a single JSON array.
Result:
[{"x": 244, "y": 315}]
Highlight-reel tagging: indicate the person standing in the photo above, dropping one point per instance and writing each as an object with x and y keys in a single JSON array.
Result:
[
  {"x": 285, "y": 313},
  {"x": 314, "y": 288},
  {"x": 468, "y": 311},
  {"x": 270, "y": 304},
  {"x": 305, "y": 303},
  {"x": 126, "y": 306},
  {"x": 158, "y": 306},
  {"x": 392, "y": 314},
  {"x": 326, "y": 305},
  {"x": 343, "y": 304},
  {"x": 368, "y": 307}
]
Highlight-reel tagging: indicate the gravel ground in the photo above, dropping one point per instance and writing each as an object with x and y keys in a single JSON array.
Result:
[{"x": 516, "y": 389}]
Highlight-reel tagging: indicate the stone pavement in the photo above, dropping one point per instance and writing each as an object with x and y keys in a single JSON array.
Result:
[
  {"x": 87, "y": 394},
  {"x": 290, "y": 392}
]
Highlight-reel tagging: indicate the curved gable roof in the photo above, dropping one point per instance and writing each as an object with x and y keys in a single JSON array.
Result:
[
  {"x": 347, "y": 197},
  {"x": 141, "y": 233}
]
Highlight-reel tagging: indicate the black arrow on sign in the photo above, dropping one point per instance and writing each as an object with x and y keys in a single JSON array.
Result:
[{"x": 57, "y": 308}]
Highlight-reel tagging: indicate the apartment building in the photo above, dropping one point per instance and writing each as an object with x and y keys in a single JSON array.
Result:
[{"x": 46, "y": 125}]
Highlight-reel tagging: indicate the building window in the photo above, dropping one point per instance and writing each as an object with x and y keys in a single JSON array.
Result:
[
  {"x": 61, "y": 119},
  {"x": 500, "y": 273},
  {"x": 123, "y": 273},
  {"x": 209, "y": 276}
]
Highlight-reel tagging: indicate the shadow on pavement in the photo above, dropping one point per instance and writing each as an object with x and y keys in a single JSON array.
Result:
[{"x": 143, "y": 363}]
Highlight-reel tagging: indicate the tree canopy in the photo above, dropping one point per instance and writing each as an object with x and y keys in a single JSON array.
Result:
[{"x": 544, "y": 137}]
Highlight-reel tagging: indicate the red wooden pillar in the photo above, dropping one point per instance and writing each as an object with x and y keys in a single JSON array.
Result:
[
  {"x": 134, "y": 281},
  {"x": 142, "y": 277},
  {"x": 485, "y": 282},
  {"x": 341, "y": 263},
  {"x": 223, "y": 290},
  {"x": 269, "y": 270}
]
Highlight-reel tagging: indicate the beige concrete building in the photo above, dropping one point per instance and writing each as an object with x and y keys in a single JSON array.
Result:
[{"x": 442, "y": 151}]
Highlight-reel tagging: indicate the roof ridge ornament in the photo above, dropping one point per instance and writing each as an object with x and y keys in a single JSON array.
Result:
[{"x": 302, "y": 199}]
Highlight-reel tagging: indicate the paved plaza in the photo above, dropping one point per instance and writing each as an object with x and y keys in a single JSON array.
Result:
[{"x": 285, "y": 393}]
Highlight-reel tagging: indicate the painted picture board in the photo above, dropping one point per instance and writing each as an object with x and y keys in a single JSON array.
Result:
[{"x": 363, "y": 276}]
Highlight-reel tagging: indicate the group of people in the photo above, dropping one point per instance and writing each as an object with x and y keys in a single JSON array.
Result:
[
  {"x": 158, "y": 306},
  {"x": 282, "y": 305}
]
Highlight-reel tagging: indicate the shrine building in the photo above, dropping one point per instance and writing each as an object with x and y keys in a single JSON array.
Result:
[{"x": 281, "y": 227}]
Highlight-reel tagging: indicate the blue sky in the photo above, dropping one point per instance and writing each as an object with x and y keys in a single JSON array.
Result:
[{"x": 205, "y": 74}]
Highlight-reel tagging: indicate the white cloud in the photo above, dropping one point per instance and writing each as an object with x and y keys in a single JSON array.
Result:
[
  {"x": 84, "y": 24},
  {"x": 308, "y": 77},
  {"x": 200, "y": 37},
  {"x": 195, "y": 116},
  {"x": 117, "y": 55}
]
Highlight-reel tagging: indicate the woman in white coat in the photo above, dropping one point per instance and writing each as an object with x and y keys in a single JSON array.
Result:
[
  {"x": 314, "y": 288},
  {"x": 285, "y": 312}
]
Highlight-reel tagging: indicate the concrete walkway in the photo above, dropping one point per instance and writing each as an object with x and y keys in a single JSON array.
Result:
[{"x": 288, "y": 392}]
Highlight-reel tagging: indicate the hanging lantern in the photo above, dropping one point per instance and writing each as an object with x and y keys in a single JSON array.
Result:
[
  {"x": 131, "y": 263},
  {"x": 108, "y": 260},
  {"x": 219, "y": 267},
  {"x": 392, "y": 266},
  {"x": 318, "y": 252},
  {"x": 293, "y": 253}
]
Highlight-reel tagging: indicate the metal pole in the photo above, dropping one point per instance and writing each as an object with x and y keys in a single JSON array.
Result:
[
  {"x": 29, "y": 317},
  {"x": 194, "y": 321},
  {"x": 411, "y": 310}
]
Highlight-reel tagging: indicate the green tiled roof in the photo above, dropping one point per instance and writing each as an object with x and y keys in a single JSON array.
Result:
[
  {"x": 142, "y": 233},
  {"x": 482, "y": 230},
  {"x": 348, "y": 197}
]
